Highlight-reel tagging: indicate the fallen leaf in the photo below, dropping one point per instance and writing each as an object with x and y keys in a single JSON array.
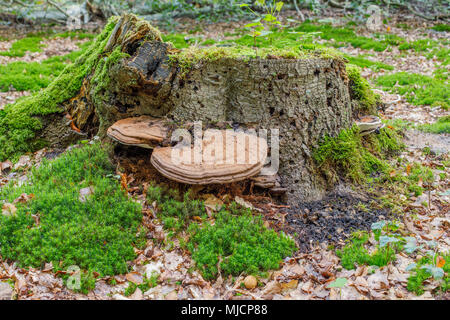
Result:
[
  {"x": 8, "y": 209},
  {"x": 135, "y": 277},
  {"x": 243, "y": 203},
  {"x": 440, "y": 262},
  {"x": 290, "y": 285}
]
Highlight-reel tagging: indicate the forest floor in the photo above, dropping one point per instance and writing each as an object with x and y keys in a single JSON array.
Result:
[{"x": 321, "y": 227}]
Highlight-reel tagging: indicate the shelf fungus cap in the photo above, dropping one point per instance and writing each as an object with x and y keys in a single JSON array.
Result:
[
  {"x": 369, "y": 124},
  {"x": 143, "y": 131},
  {"x": 224, "y": 156}
]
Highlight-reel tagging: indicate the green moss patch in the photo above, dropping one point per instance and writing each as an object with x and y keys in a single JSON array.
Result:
[
  {"x": 57, "y": 225},
  {"x": 418, "y": 89},
  {"x": 21, "y": 46},
  {"x": 33, "y": 76},
  {"x": 354, "y": 253},
  {"x": 342, "y": 36},
  {"x": 354, "y": 157},
  {"x": 237, "y": 242},
  {"x": 362, "y": 62},
  {"x": 442, "y": 27},
  {"x": 360, "y": 90},
  {"x": 442, "y": 125}
]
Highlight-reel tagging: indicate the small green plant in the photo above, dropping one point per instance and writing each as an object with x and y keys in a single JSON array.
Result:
[
  {"x": 338, "y": 283},
  {"x": 355, "y": 253},
  {"x": 147, "y": 284},
  {"x": 433, "y": 265},
  {"x": 266, "y": 23}
]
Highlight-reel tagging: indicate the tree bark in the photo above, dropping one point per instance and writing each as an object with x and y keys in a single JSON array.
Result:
[{"x": 303, "y": 98}]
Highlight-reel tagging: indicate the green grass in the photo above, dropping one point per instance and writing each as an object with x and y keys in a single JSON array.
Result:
[
  {"x": 442, "y": 125},
  {"x": 21, "y": 46},
  {"x": 418, "y": 89},
  {"x": 96, "y": 235}
]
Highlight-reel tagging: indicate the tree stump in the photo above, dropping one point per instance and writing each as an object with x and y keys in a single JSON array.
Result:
[{"x": 138, "y": 74}]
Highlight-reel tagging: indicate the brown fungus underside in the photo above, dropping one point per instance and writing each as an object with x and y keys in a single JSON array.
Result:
[{"x": 304, "y": 98}]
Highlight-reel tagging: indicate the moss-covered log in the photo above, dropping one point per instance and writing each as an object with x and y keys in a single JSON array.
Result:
[{"x": 130, "y": 71}]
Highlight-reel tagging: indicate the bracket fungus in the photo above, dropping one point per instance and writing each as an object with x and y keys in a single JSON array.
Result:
[
  {"x": 143, "y": 131},
  {"x": 369, "y": 124},
  {"x": 235, "y": 157}
]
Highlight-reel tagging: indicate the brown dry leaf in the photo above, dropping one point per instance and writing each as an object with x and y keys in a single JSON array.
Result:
[
  {"x": 24, "y": 198},
  {"x": 361, "y": 285},
  {"x": 297, "y": 270},
  {"x": 290, "y": 285},
  {"x": 361, "y": 271},
  {"x": 135, "y": 277},
  {"x": 5, "y": 166},
  {"x": 243, "y": 203},
  {"x": 8, "y": 209},
  {"x": 378, "y": 280},
  {"x": 408, "y": 169},
  {"x": 307, "y": 286},
  {"x": 123, "y": 181},
  {"x": 273, "y": 287}
]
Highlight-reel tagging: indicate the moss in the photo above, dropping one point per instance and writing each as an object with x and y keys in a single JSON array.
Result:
[
  {"x": 441, "y": 27},
  {"x": 342, "y": 36},
  {"x": 18, "y": 122},
  {"x": 189, "y": 57},
  {"x": 418, "y": 89},
  {"x": 33, "y": 76},
  {"x": 54, "y": 225},
  {"x": 442, "y": 125},
  {"x": 362, "y": 62},
  {"x": 21, "y": 46},
  {"x": 355, "y": 158},
  {"x": 100, "y": 80},
  {"x": 360, "y": 89},
  {"x": 237, "y": 238},
  {"x": 238, "y": 243}
]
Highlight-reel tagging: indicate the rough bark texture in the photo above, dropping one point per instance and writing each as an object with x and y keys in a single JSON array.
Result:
[{"x": 304, "y": 98}]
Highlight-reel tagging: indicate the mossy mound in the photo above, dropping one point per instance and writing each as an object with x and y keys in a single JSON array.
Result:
[
  {"x": 354, "y": 157},
  {"x": 95, "y": 229}
]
